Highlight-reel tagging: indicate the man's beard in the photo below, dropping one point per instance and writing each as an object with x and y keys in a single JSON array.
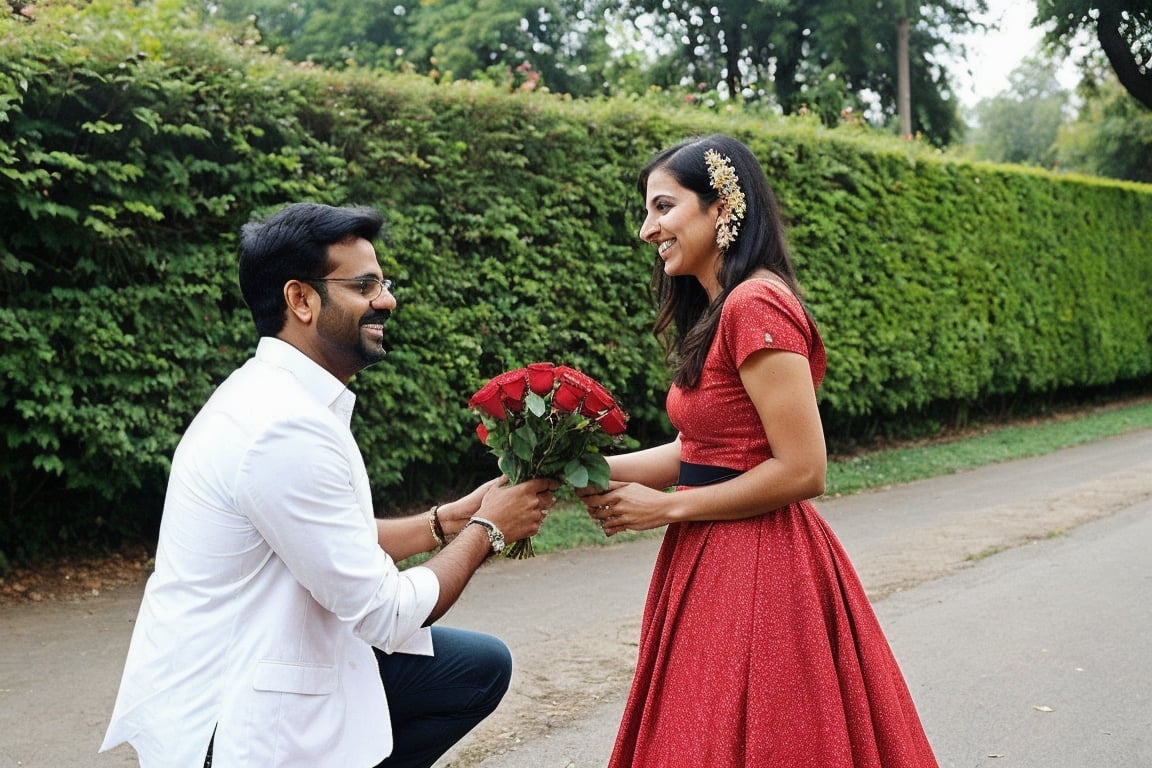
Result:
[{"x": 373, "y": 352}]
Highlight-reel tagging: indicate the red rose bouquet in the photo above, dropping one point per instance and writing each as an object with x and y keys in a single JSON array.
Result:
[{"x": 548, "y": 420}]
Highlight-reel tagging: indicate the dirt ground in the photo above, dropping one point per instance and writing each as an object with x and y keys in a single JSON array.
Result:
[{"x": 73, "y": 579}]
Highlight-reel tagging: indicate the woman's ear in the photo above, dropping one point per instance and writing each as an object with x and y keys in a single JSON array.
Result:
[{"x": 723, "y": 215}]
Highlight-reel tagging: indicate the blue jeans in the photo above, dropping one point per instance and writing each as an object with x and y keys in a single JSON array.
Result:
[{"x": 435, "y": 700}]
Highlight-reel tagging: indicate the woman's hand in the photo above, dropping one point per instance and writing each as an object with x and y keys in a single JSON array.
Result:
[{"x": 628, "y": 507}]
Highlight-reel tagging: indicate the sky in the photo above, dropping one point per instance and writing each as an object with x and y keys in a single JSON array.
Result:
[{"x": 994, "y": 54}]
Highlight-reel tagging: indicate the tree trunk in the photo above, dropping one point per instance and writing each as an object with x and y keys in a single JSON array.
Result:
[
  {"x": 732, "y": 62},
  {"x": 903, "y": 79}
]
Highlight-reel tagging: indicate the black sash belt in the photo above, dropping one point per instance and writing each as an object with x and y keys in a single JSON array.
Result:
[{"x": 704, "y": 474}]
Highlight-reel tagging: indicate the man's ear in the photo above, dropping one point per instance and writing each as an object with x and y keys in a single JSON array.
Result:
[{"x": 301, "y": 298}]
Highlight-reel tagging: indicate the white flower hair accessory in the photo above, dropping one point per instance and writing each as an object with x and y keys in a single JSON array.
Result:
[{"x": 724, "y": 180}]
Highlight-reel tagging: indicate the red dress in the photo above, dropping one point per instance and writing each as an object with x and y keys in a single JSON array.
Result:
[{"x": 759, "y": 647}]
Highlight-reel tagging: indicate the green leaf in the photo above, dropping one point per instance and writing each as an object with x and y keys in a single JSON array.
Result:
[
  {"x": 598, "y": 470},
  {"x": 576, "y": 474},
  {"x": 524, "y": 442},
  {"x": 510, "y": 468},
  {"x": 535, "y": 404},
  {"x": 100, "y": 127}
]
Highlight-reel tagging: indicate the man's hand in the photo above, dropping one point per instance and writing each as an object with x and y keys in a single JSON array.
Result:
[{"x": 518, "y": 510}]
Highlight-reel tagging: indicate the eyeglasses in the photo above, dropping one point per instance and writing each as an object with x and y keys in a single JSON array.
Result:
[{"x": 370, "y": 287}]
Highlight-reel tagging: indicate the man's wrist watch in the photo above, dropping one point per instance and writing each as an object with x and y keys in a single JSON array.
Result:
[{"x": 495, "y": 535}]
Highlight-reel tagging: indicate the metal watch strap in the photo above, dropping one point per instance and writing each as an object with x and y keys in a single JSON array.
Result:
[{"x": 495, "y": 535}]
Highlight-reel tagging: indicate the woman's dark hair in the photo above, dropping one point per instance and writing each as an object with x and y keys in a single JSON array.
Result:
[
  {"x": 292, "y": 244},
  {"x": 761, "y": 244}
]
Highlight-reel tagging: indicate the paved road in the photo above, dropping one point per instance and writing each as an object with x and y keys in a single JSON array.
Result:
[
  {"x": 1015, "y": 597},
  {"x": 1037, "y": 657}
]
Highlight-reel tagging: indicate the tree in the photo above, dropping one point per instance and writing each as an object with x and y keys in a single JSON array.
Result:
[
  {"x": 1112, "y": 134},
  {"x": 332, "y": 33},
  {"x": 1122, "y": 27},
  {"x": 1021, "y": 123},
  {"x": 821, "y": 55},
  {"x": 557, "y": 44}
]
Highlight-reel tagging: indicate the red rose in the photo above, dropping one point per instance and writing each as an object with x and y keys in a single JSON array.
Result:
[
  {"x": 564, "y": 441},
  {"x": 614, "y": 422},
  {"x": 541, "y": 378},
  {"x": 597, "y": 401},
  {"x": 512, "y": 385},
  {"x": 578, "y": 378},
  {"x": 569, "y": 395},
  {"x": 489, "y": 400}
]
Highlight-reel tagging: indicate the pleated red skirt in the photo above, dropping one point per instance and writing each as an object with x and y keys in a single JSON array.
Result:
[{"x": 759, "y": 648}]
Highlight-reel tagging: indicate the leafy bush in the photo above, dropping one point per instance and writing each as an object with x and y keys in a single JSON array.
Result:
[{"x": 134, "y": 144}]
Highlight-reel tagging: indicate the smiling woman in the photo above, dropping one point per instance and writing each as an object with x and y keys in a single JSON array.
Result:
[
  {"x": 683, "y": 229},
  {"x": 747, "y": 565}
]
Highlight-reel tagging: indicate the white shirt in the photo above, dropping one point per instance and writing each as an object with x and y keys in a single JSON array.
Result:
[{"x": 270, "y": 586}]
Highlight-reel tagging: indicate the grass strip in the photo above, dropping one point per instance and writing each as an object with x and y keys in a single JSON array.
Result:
[{"x": 991, "y": 445}]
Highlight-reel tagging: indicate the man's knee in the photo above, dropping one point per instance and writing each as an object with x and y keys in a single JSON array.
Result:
[{"x": 492, "y": 662}]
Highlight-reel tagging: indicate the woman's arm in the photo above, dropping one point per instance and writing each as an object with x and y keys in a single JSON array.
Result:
[
  {"x": 657, "y": 467},
  {"x": 780, "y": 386}
]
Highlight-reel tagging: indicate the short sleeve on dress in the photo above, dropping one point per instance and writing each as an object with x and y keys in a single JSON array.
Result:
[{"x": 759, "y": 315}]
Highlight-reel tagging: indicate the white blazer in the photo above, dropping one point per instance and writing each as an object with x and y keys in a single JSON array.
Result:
[{"x": 270, "y": 587}]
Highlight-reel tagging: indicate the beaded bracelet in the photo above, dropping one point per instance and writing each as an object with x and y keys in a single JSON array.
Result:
[{"x": 434, "y": 524}]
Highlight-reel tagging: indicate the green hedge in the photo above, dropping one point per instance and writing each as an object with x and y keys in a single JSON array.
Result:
[
  {"x": 942, "y": 282},
  {"x": 133, "y": 146}
]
